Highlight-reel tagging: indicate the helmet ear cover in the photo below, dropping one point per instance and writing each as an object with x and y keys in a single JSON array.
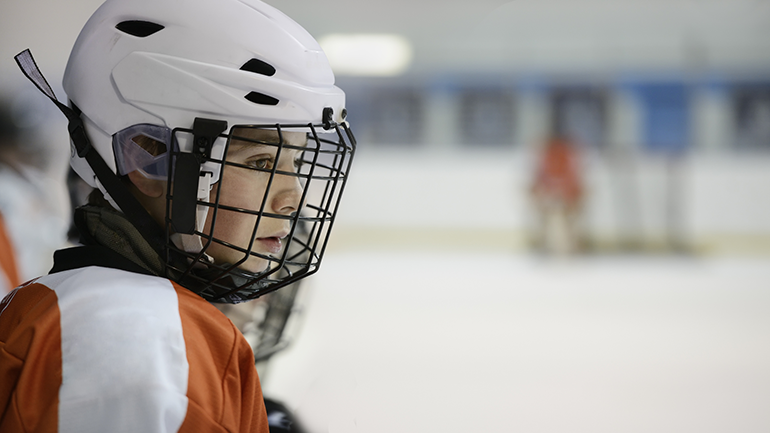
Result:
[{"x": 131, "y": 147}]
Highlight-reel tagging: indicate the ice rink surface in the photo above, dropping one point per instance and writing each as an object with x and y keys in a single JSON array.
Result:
[{"x": 494, "y": 342}]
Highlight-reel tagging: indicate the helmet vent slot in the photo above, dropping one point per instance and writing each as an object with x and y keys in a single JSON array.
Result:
[
  {"x": 259, "y": 67},
  {"x": 140, "y": 29},
  {"x": 261, "y": 98}
]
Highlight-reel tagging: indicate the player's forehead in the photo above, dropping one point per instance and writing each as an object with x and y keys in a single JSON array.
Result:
[{"x": 245, "y": 136}]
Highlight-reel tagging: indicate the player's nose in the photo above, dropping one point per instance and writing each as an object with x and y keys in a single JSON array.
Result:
[{"x": 287, "y": 198}]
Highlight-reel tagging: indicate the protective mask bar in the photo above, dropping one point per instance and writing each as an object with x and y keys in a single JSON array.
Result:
[
  {"x": 226, "y": 272},
  {"x": 326, "y": 163}
]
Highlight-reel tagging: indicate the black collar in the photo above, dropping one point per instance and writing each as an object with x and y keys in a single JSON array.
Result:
[{"x": 93, "y": 255}]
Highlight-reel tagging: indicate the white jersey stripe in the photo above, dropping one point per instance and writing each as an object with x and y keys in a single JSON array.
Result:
[{"x": 123, "y": 352}]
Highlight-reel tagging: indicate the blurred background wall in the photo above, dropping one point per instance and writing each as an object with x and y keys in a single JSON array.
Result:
[{"x": 669, "y": 102}]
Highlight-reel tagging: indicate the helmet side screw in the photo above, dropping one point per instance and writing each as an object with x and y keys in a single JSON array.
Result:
[
  {"x": 328, "y": 117},
  {"x": 202, "y": 144}
]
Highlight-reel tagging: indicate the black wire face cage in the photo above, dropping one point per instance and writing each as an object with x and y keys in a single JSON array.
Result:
[{"x": 318, "y": 175}]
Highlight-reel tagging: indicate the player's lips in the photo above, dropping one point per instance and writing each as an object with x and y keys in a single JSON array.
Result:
[{"x": 273, "y": 244}]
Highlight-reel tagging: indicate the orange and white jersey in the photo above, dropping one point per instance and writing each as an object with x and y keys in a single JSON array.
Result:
[{"x": 96, "y": 349}]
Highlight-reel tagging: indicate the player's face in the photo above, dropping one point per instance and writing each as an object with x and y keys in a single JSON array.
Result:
[{"x": 242, "y": 188}]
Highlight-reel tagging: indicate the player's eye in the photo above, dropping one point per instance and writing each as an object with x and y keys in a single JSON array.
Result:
[
  {"x": 265, "y": 163},
  {"x": 298, "y": 163}
]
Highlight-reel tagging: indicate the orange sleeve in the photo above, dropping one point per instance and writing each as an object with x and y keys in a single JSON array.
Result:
[
  {"x": 30, "y": 360},
  {"x": 223, "y": 386},
  {"x": 8, "y": 257}
]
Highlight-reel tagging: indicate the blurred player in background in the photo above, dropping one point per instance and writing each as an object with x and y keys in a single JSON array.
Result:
[
  {"x": 557, "y": 192},
  {"x": 33, "y": 207},
  {"x": 216, "y": 142},
  {"x": 9, "y": 139}
]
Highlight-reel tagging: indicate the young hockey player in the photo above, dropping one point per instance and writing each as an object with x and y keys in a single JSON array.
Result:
[{"x": 216, "y": 141}]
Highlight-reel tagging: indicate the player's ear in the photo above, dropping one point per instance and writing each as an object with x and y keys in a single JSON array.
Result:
[{"x": 150, "y": 187}]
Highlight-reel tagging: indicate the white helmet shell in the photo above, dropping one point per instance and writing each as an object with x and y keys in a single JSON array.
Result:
[{"x": 166, "y": 62}]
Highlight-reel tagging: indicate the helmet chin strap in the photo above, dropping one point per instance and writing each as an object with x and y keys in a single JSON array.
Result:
[{"x": 107, "y": 195}]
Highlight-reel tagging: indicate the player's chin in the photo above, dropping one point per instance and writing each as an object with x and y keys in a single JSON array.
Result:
[{"x": 255, "y": 265}]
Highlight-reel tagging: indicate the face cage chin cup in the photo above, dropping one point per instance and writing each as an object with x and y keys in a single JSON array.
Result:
[{"x": 326, "y": 164}]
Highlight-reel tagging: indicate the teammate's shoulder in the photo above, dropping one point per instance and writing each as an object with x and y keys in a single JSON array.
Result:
[{"x": 29, "y": 298}]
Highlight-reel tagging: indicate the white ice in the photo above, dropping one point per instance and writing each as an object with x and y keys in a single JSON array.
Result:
[{"x": 458, "y": 342}]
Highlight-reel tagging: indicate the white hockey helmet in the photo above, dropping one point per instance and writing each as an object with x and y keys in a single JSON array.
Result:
[
  {"x": 165, "y": 62},
  {"x": 195, "y": 75}
]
